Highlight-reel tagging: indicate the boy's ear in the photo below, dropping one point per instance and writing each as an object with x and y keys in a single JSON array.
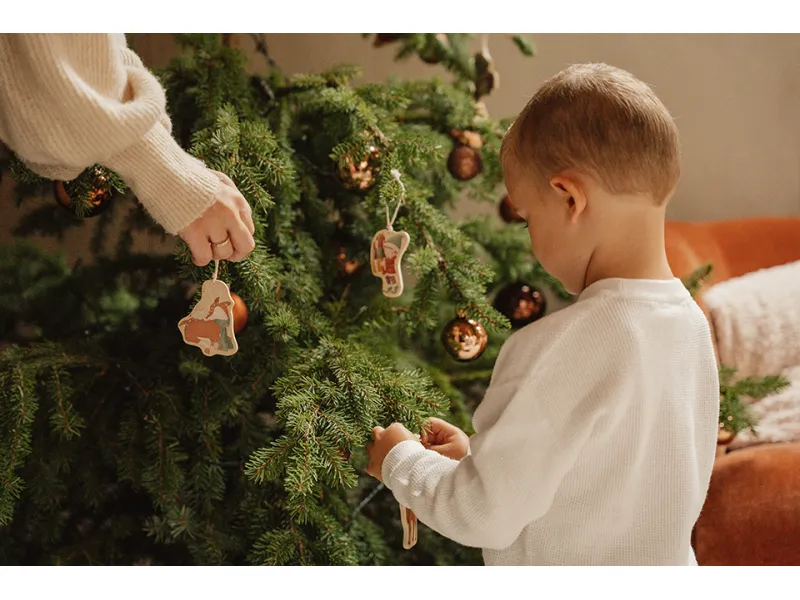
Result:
[{"x": 572, "y": 191}]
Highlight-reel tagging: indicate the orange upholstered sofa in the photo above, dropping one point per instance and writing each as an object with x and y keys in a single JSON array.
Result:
[{"x": 752, "y": 511}]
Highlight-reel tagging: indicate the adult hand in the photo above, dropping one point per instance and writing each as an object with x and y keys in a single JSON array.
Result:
[{"x": 225, "y": 231}]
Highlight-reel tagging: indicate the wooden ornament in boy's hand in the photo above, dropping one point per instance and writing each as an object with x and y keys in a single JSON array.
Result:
[
  {"x": 520, "y": 303},
  {"x": 240, "y": 314},
  {"x": 410, "y": 527},
  {"x": 464, "y": 339}
]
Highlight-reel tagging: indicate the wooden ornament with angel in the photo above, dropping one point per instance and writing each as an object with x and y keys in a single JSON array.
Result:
[{"x": 387, "y": 250}]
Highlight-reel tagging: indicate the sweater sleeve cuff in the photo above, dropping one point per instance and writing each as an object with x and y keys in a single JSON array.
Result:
[
  {"x": 392, "y": 471},
  {"x": 173, "y": 186}
]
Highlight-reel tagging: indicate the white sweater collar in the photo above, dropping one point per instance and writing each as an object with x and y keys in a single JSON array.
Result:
[{"x": 664, "y": 290}]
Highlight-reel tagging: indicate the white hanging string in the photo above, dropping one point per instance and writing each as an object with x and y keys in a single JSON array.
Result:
[
  {"x": 390, "y": 221},
  {"x": 216, "y": 269}
]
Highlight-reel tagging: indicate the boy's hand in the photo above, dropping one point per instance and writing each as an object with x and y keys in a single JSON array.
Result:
[
  {"x": 225, "y": 231},
  {"x": 446, "y": 439},
  {"x": 383, "y": 440}
]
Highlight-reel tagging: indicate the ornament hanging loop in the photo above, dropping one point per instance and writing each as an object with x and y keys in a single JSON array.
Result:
[
  {"x": 216, "y": 270},
  {"x": 390, "y": 220}
]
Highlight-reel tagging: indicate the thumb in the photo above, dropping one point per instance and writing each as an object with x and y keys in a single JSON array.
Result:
[{"x": 377, "y": 432}]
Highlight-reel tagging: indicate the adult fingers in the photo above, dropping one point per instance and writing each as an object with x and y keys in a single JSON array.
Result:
[
  {"x": 246, "y": 214},
  {"x": 199, "y": 245},
  {"x": 242, "y": 240}
]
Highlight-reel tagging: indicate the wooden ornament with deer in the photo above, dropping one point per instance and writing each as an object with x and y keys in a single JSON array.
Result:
[{"x": 210, "y": 325}]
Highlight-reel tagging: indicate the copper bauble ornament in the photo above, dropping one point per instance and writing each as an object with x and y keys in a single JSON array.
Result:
[
  {"x": 360, "y": 175},
  {"x": 507, "y": 211},
  {"x": 346, "y": 265},
  {"x": 464, "y": 339},
  {"x": 240, "y": 314},
  {"x": 465, "y": 163},
  {"x": 99, "y": 195},
  {"x": 520, "y": 303},
  {"x": 725, "y": 436}
]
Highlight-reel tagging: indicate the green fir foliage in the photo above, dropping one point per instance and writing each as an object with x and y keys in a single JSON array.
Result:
[
  {"x": 119, "y": 444},
  {"x": 734, "y": 414},
  {"x": 734, "y": 393}
]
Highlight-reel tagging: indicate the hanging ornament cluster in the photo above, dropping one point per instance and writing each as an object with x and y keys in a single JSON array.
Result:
[
  {"x": 388, "y": 248},
  {"x": 212, "y": 324},
  {"x": 464, "y": 339},
  {"x": 521, "y": 304},
  {"x": 99, "y": 195},
  {"x": 487, "y": 79},
  {"x": 465, "y": 161},
  {"x": 360, "y": 175},
  {"x": 507, "y": 211}
]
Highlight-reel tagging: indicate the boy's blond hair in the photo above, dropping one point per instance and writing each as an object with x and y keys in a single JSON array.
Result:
[{"x": 603, "y": 120}]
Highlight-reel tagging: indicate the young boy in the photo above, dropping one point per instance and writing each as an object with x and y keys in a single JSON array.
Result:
[{"x": 595, "y": 441}]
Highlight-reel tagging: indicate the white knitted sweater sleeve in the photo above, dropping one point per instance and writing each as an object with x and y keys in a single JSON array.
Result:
[
  {"x": 516, "y": 465},
  {"x": 73, "y": 100}
]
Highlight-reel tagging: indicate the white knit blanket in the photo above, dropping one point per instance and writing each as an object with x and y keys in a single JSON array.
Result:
[{"x": 756, "y": 322}]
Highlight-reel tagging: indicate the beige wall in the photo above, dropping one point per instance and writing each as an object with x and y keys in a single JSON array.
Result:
[{"x": 736, "y": 99}]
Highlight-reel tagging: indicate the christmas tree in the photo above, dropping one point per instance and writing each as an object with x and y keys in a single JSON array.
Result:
[{"x": 121, "y": 444}]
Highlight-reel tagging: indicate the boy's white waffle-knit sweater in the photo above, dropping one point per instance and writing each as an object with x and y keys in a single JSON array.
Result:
[
  {"x": 68, "y": 101},
  {"x": 595, "y": 441}
]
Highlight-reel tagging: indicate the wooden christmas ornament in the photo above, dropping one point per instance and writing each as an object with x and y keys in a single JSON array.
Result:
[
  {"x": 387, "y": 249},
  {"x": 410, "y": 527},
  {"x": 211, "y": 324}
]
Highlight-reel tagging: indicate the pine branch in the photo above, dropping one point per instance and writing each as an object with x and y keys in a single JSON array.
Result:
[
  {"x": 698, "y": 279},
  {"x": 735, "y": 416}
]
